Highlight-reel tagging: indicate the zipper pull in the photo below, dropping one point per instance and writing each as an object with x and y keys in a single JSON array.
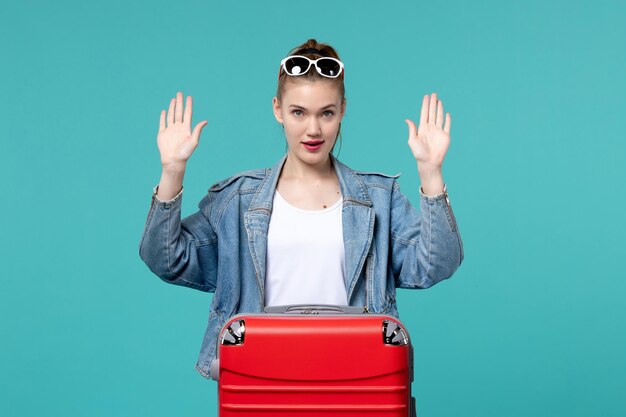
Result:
[
  {"x": 445, "y": 193},
  {"x": 366, "y": 310}
]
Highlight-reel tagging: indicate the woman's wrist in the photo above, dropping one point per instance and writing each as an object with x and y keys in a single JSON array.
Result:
[
  {"x": 431, "y": 180},
  {"x": 171, "y": 182},
  {"x": 174, "y": 168}
]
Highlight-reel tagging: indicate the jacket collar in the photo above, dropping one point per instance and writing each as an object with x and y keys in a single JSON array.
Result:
[{"x": 352, "y": 187}]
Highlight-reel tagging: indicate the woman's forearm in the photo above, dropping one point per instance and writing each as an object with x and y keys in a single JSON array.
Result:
[
  {"x": 431, "y": 181},
  {"x": 171, "y": 182}
]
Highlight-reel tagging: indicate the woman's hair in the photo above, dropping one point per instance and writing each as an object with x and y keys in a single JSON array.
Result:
[{"x": 312, "y": 75}]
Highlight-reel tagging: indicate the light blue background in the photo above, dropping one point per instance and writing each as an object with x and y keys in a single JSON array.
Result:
[{"x": 531, "y": 325}]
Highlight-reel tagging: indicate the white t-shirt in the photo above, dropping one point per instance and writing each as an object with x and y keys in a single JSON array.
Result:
[{"x": 305, "y": 255}]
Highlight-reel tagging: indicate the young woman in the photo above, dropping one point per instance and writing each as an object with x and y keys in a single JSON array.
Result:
[{"x": 310, "y": 229}]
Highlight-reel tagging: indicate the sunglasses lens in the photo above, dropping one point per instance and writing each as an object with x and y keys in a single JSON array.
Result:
[
  {"x": 329, "y": 67},
  {"x": 296, "y": 65}
]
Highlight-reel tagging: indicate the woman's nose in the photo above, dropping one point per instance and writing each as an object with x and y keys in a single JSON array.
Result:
[{"x": 313, "y": 129}]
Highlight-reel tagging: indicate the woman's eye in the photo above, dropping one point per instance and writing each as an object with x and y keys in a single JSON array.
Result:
[
  {"x": 330, "y": 113},
  {"x": 297, "y": 112}
]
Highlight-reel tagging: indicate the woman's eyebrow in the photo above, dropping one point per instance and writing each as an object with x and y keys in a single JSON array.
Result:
[{"x": 304, "y": 108}]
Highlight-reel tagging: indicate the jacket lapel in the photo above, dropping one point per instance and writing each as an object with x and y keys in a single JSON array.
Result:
[
  {"x": 257, "y": 221},
  {"x": 357, "y": 223}
]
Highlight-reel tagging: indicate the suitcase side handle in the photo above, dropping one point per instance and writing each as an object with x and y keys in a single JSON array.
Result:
[{"x": 314, "y": 309}]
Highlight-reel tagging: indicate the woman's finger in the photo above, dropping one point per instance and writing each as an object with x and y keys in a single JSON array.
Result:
[
  {"x": 432, "y": 108},
  {"x": 440, "y": 114},
  {"x": 170, "y": 112},
  {"x": 188, "y": 109},
  {"x": 162, "y": 121},
  {"x": 446, "y": 127},
  {"x": 179, "y": 107},
  {"x": 411, "y": 125},
  {"x": 424, "y": 112}
]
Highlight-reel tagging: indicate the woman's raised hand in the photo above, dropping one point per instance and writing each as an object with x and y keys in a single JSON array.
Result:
[
  {"x": 176, "y": 141},
  {"x": 430, "y": 141}
]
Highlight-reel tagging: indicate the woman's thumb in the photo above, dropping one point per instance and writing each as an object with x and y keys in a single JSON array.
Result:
[
  {"x": 198, "y": 129},
  {"x": 411, "y": 127}
]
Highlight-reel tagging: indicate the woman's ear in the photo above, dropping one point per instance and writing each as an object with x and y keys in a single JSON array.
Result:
[{"x": 277, "y": 110}]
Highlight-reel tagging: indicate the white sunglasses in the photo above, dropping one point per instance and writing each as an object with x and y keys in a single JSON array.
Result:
[{"x": 295, "y": 65}]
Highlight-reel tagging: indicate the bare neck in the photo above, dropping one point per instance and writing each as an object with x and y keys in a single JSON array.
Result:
[{"x": 298, "y": 170}]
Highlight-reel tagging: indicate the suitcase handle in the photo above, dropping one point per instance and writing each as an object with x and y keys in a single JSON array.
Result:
[{"x": 314, "y": 309}]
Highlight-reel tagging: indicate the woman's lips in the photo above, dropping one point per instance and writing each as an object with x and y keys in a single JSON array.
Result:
[{"x": 313, "y": 145}]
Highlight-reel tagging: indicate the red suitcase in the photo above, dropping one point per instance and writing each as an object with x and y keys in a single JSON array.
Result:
[{"x": 314, "y": 361}]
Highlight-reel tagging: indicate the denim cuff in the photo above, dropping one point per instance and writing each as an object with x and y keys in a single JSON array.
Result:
[
  {"x": 176, "y": 197},
  {"x": 433, "y": 197}
]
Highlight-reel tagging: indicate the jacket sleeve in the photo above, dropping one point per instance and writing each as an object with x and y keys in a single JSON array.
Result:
[
  {"x": 426, "y": 245},
  {"x": 180, "y": 252}
]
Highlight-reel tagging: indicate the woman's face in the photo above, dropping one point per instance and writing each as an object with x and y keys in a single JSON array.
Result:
[{"x": 311, "y": 112}]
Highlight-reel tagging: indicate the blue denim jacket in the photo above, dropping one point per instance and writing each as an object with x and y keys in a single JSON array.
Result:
[{"x": 222, "y": 247}]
